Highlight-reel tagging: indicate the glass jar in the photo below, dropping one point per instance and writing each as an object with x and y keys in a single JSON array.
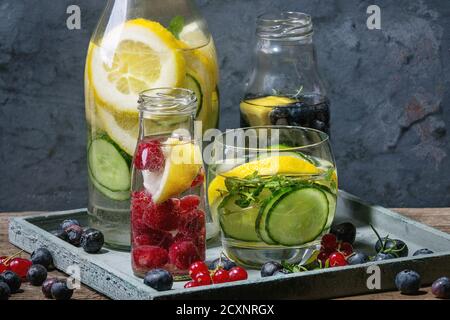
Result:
[
  {"x": 274, "y": 191},
  {"x": 168, "y": 227},
  {"x": 284, "y": 87},
  {"x": 139, "y": 45}
]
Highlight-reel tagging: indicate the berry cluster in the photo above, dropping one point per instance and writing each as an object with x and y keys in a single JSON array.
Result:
[
  {"x": 334, "y": 253},
  {"x": 170, "y": 234},
  {"x": 71, "y": 231},
  {"x": 224, "y": 271}
]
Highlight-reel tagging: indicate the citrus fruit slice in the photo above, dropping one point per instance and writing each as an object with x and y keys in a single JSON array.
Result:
[
  {"x": 182, "y": 164},
  {"x": 133, "y": 57},
  {"x": 256, "y": 111}
]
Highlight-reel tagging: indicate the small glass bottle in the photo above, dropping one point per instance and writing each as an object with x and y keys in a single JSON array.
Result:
[
  {"x": 167, "y": 202},
  {"x": 284, "y": 87}
]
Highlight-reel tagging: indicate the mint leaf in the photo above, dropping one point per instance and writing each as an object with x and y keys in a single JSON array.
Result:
[{"x": 176, "y": 25}]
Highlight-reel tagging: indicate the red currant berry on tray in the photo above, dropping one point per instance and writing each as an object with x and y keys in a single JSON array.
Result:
[
  {"x": 221, "y": 276},
  {"x": 346, "y": 249},
  {"x": 149, "y": 156},
  {"x": 190, "y": 284},
  {"x": 329, "y": 242},
  {"x": 323, "y": 257},
  {"x": 202, "y": 279},
  {"x": 197, "y": 267},
  {"x": 337, "y": 259},
  {"x": 237, "y": 274}
]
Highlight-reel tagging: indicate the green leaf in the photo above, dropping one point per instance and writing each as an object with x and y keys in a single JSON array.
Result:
[{"x": 176, "y": 25}]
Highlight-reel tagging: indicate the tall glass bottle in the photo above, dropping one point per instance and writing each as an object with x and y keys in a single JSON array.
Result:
[
  {"x": 139, "y": 45},
  {"x": 284, "y": 86}
]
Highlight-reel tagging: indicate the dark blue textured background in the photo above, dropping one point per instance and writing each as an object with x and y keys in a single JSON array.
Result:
[{"x": 389, "y": 93}]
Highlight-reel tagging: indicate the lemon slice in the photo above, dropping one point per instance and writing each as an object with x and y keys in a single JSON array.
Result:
[
  {"x": 183, "y": 162},
  {"x": 267, "y": 167},
  {"x": 133, "y": 57},
  {"x": 256, "y": 111}
]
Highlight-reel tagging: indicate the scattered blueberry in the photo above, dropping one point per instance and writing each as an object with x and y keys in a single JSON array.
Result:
[
  {"x": 279, "y": 116},
  {"x": 393, "y": 246},
  {"x": 61, "y": 234},
  {"x": 92, "y": 240},
  {"x": 223, "y": 262},
  {"x": 159, "y": 279},
  {"x": 47, "y": 287},
  {"x": 408, "y": 282},
  {"x": 37, "y": 274},
  {"x": 345, "y": 232},
  {"x": 12, "y": 280},
  {"x": 441, "y": 288},
  {"x": 60, "y": 291},
  {"x": 422, "y": 252},
  {"x": 74, "y": 233},
  {"x": 383, "y": 256},
  {"x": 281, "y": 272},
  {"x": 43, "y": 257},
  {"x": 5, "y": 292},
  {"x": 268, "y": 269},
  {"x": 358, "y": 258},
  {"x": 68, "y": 223}
]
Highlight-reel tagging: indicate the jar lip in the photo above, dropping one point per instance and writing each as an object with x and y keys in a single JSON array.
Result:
[
  {"x": 284, "y": 25},
  {"x": 166, "y": 101}
]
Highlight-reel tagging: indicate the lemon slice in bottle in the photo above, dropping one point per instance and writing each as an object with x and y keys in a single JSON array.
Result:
[
  {"x": 183, "y": 162},
  {"x": 133, "y": 57}
]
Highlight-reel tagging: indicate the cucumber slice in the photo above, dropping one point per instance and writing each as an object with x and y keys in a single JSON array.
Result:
[
  {"x": 114, "y": 195},
  {"x": 238, "y": 223},
  {"x": 262, "y": 217},
  {"x": 298, "y": 216},
  {"x": 108, "y": 167},
  {"x": 194, "y": 85},
  {"x": 332, "y": 204}
]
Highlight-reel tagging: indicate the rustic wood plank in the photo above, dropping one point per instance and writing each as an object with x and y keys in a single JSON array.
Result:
[{"x": 435, "y": 217}]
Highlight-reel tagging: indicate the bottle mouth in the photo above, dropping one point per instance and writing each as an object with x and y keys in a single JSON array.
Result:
[
  {"x": 287, "y": 25},
  {"x": 167, "y": 101}
]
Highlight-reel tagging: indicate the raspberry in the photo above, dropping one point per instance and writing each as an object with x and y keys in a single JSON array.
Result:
[
  {"x": 199, "y": 179},
  {"x": 182, "y": 254},
  {"x": 162, "y": 216},
  {"x": 189, "y": 203},
  {"x": 192, "y": 221},
  {"x": 157, "y": 238},
  {"x": 149, "y": 257},
  {"x": 149, "y": 156},
  {"x": 140, "y": 200}
]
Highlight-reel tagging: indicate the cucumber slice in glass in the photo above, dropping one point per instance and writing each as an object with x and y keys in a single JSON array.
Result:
[
  {"x": 238, "y": 223},
  {"x": 108, "y": 167},
  {"x": 297, "y": 216},
  {"x": 114, "y": 195},
  {"x": 194, "y": 85}
]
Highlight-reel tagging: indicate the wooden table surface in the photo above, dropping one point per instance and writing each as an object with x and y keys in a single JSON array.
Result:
[{"x": 438, "y": 218}]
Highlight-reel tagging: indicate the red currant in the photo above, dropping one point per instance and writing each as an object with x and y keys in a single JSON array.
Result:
[
  {"x": 346, "y": 249},
  {"x": 221, "y": 276},
  {"x": 337, "y": 259},
  {"x": 323, "y": 257},
  {"x": 329, "y": 242},
  {"x": 202, "y": 279},
  {"x": 198, "y": 267},
  {"x": 237, "y": 274},
  {"x": 20, "y": 266},
  {"x": 190, "y": 284}
]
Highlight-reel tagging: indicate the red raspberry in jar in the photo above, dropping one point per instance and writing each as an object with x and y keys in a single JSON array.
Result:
[{"x": 149, "y": 156}]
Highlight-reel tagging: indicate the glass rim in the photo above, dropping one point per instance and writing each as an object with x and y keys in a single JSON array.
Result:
[
  {"x": 324, "y": 138},
  {"x": 167, "y": 101},
  {"x": 284, "y": 25}
]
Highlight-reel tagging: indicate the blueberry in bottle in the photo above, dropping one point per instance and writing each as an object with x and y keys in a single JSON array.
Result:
[
  {"x": 37, "y": 274},
  {"x": 12, "y": 280},
  {"x": 159, "y": 279}
]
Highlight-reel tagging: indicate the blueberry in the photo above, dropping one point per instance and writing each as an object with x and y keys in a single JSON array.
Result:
[
  {"x": 279, "y": 116},
  {"x": 345, "y": 232},
  {"x": 408, "y": 282},
  {"x": 319, "y": 125},
  {"x": 383, "y": 256},
  {"x": 358, "y": 258},
  {"x": 60, "y": 291},
  {"x": 43, "y": 257},
  {"x": 68, "y": 223},
  {"x": 159, "y": 279},
  {"x": 5, "y": 292},
  {"x": 393, "y": 246},
  {"x": 422, "y": 252},
  {"x": 92, "y": 240},
  {"x": 47, "y": 287},
  {"x": 225, "y": 263},
  {"x": 281, "y": 272},
  {"x": 37, "y": 274},
  {"x": 268, "y": 269},
  {"x": 74, "y": 233},
  {"x": 61, "y": 234},
  {"x": 441, "y": 288},
  {"x": 12, "y": 280}
]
